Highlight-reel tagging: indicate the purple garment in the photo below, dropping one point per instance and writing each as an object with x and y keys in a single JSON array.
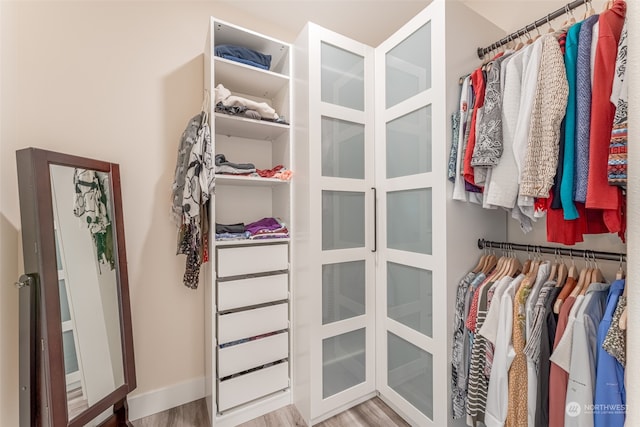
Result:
[
  {"x": 263, "y": 224},
  {"x": 583, "y": 110}
]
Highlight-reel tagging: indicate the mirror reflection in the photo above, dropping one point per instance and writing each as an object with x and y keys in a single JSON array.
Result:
[{"x": 88, "y": 287}]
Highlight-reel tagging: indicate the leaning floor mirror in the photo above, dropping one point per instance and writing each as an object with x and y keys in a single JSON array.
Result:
[{"x": 76, "y": 344}]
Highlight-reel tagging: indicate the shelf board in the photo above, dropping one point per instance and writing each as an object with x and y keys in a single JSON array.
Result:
[
  {"x": 248, "y": 181},
  {"x": 250, "y": 242},
  {"x": 243, "y": 127},
  {"x": 242, "y": 78}
]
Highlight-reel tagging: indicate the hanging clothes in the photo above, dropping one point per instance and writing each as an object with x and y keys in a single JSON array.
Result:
[
  {"x": 458, "y": 351},
  {"x": 568, "y": 170},
  {"x": 477, "y": 81},
  {"x": 617, "y": 170},
  {"x": 582, "y": 371},
  {"x": 503, "y": 191},
  {"x": 543, "y": 363},
  {"x": 610, "y": 395},
  {"x": 524, "y": 151},
  {"x": 600, "y": 195},
  {"x": 583, "y": 107},
  {"x": 543, "y": 139},
  {"x": 192, "y": 188},
  {"x": 498, "y": 388}
]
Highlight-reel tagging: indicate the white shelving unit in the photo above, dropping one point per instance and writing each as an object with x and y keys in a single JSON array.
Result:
[{"x": 247, "y": 282}]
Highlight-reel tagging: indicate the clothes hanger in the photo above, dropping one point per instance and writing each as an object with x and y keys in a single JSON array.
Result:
[
  {"x": 515, "y": 267},
  {"x": 519, "y": 45},
  {"x": 620, "y": 274},
  {"x": 527, "y": 263},
  {"x": 492, "y": 260},
  {"x": 551, "y": 29},
  {"x": 589, "y": 11},
  {"x": 608, "y": 5},
  {"x": 585, "y": 276},
  {"x": 596, "y": 275},
  {"x": 478, "y": 268},
  {"x": 500, "y": 269},
  {"x": 622, "y": 323},
  {"x": 573, "y": 269},
  {"x": 570, "y": 18},
  {"x": 562, "y": 272},
  {"x": 509, "y": 44},
  {"x": 568, "y": 287},
  {"x": 529, "y": 39},
  {"x": 535, "y": 265},
  {"x": 537, "y": 31},
  {"x": 554, "y": 265}
]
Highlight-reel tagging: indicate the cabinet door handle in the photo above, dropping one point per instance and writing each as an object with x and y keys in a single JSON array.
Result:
[{"x": 375, "y": 219}]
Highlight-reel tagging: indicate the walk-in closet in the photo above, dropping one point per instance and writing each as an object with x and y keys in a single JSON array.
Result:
[{"x": 412, "y": 162}]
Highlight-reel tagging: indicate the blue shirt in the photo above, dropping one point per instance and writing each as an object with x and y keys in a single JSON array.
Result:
[
  {"x": 610, "y": 398},
  {"x": 567, "y": 182}
]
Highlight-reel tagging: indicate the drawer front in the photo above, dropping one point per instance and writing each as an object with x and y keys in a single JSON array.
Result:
[
  {"x": 252, "y": 259},
  {"x": 250, "y": 323},
  {"x": 251, "y": 386},
  {"x": 252, "y": 291},
  {"x": 241, "y": 357}
]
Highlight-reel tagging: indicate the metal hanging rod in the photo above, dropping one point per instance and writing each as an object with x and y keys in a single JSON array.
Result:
[
  {"x": 524, "y": 30},
  {"x": 584, "y": 253}
]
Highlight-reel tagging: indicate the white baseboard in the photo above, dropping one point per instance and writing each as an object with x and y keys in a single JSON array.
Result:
[{"x": 154, "y": 401}]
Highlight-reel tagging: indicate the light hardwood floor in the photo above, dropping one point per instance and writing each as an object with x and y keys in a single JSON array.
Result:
[{"x": 373, "y": 412}]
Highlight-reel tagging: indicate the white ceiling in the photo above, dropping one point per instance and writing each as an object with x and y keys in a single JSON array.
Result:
[{"x": 372, "y": 21}]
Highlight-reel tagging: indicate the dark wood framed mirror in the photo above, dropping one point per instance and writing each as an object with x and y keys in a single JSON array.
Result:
[{"x": 76, "y": 343}]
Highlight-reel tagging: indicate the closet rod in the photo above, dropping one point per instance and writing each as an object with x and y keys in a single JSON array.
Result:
[
  {"x": 526, "y": 29},
  {"x": 584, "y": 253}
]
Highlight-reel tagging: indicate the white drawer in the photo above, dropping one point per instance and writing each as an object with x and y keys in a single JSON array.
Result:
[
  {"x": 237, "y": 261},
  {"x": 250, "y": 323},
  {"x": 251, "y": 386},
  {"x": 252, "y": 291},
  {"x": 241, "y": 357}
]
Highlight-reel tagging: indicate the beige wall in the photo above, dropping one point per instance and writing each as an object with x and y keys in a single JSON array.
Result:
[{"x": 116, "y": 81}]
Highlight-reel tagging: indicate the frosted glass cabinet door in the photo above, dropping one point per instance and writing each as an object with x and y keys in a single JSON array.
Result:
[
  {"x": 342, "y": 77},
  {"x": 410, "y": 373},
  {"x": 408, "y": 67},
  {"x": 409, "y": 144},
  {"x": 407, "y": 272},
  {"x": 409, "y": 226},
  {"x": 342, "y": 220},
  {"x": 343, "y": 362},
  {"x": 343, "y": 291},
  {"x": 342, "y": 149},
  {"x": 409, "y": 297}
]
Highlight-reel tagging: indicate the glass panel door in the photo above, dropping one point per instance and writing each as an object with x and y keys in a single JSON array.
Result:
[
  {"x": 404, "y": 179},
  {"x": 341, "y": 144}
]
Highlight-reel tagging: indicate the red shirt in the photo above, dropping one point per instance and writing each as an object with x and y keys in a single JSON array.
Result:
[
  {"x": 601, "y": 195},
  {"x": 477, "y": 80}
]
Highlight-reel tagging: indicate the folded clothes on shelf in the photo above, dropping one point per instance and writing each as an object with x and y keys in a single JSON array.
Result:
[
  {"x": 243, "y": 55},
  {"x": 267, "y": 228},
  {"x": 224, "y": 96},
  {"x": 278, "y": 172},
  {"x": 230, "y": 228},
  {"x": 226, "y": 167}
]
